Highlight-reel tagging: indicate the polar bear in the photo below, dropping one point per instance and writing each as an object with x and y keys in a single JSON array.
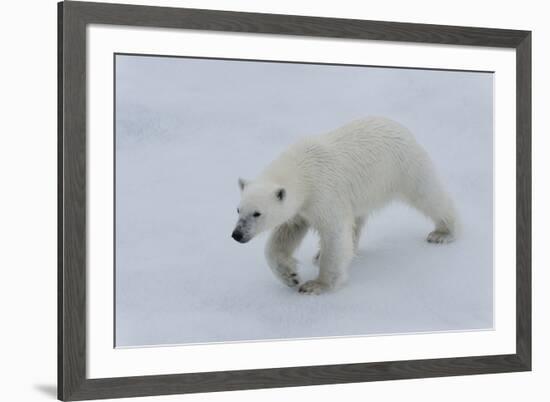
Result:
[{"x": 331, "y": 183}]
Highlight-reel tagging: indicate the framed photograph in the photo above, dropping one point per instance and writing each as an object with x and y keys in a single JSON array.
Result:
[{"x": 256, "y": 201}]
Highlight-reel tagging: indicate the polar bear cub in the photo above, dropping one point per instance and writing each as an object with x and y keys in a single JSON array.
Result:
[{"x": 331, "y": 183}]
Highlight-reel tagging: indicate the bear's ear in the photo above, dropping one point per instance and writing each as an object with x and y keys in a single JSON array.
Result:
[
  {"x": 242, "y": 183},
  {"x": 280, "y": 194}
]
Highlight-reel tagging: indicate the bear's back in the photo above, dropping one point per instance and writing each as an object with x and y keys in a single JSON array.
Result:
[
  {"x": 366, "y": 161},
  {"x": 371, "y": 132},
  {"x": 371, "y": 144}
]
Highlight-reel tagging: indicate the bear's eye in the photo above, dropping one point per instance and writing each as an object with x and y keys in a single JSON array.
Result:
[
  {"x": 238, "y": 210},
  {"x": 256, "y": 214}
]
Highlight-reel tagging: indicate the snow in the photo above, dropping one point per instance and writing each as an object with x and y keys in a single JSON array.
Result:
[{"x": 188, "y": 128}]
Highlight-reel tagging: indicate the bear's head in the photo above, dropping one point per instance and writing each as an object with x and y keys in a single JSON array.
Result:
[{"x": 264, "y": 205}]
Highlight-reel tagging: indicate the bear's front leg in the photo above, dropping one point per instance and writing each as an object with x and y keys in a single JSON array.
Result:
[
  {"x": 279, "y": 249},
  {"x": 357, "y": 228},
  {"x": 337, "y": 252}
]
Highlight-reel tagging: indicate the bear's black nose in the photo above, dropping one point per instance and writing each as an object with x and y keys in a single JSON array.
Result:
[{"x": 237, "y": 235}]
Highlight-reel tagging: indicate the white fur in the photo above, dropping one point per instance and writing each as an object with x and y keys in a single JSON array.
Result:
[{"x": 331, "y": 183}]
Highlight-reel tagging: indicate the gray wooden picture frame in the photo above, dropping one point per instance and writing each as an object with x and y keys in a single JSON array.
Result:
[{"x": 73, "y": 18}]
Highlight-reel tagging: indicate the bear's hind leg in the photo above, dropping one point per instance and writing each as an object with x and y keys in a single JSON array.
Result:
[
  {"x": 279, "y": 249},
  {"x": 433, "y": 202}
]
